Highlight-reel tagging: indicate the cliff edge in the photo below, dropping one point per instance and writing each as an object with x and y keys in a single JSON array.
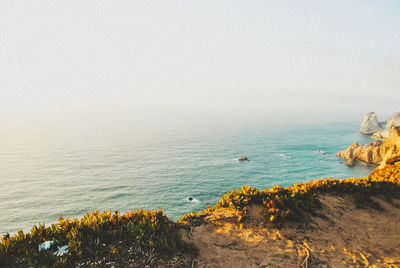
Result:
[
  {"x": 338, "y": 235},
  {"x": 325, "y": 223}
]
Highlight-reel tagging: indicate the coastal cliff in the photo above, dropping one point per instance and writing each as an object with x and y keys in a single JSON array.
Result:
[
  {"x": 338, "y": 235},
  {"x": 375, "y": 152},
  {"x": 379, "y": 130},
  {"x": 393, "y": 121},
  {"x": 370, "y": 124},
  {"x": 323, "y": 223}
]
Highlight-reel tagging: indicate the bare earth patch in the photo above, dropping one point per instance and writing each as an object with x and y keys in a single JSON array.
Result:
[{"x": 338, "y": 235}]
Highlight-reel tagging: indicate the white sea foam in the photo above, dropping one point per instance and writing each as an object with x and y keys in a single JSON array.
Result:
[{"x": 194, "y": 200}]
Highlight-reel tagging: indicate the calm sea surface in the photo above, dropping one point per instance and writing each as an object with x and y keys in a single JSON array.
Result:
[{"x": 44, "y": 176}]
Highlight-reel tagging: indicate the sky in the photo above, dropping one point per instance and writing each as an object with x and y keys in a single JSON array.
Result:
[{"x": 170, "y": 63}]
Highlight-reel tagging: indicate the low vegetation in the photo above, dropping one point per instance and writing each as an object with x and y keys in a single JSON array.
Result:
[
  {"x": 297, "y": 201},
  {"x": 104, "y": 234},
  {"x": 96, "y": 235}
]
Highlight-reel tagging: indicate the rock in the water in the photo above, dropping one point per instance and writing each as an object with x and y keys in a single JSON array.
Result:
[
  {"x": 350, "y": 162},
  {"x": 393, "y": 121},
  {"x": 242, "y": 159},
  {"x": 370, "y": 154},
  {"x": 374, "y": 153},
  {"x": 370, "y": 124}
]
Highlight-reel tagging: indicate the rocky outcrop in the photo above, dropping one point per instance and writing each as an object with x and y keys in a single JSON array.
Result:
[
  {"x": 381, "y": 134},
  {"x": 375, "y": 153},
  {"x": 371, "y": 154},
  {"x": 394, "y": 151},
  {"x": 379, "y": 130},
  {"x": 393, "y": 121},
  {"x": 370, "y": 124}
]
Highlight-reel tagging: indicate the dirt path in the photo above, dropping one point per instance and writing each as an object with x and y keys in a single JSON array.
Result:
[{"x": 340, "y": 235}]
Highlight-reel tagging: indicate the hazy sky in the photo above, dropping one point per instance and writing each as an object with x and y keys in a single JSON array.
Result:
[{"x": 170, "y": 62}]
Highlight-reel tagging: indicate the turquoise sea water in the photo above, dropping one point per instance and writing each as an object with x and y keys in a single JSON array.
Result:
[{"x": 44, "y": 176}]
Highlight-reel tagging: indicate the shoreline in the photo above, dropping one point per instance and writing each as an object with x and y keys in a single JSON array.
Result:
[{"x": 275, "y": 209}]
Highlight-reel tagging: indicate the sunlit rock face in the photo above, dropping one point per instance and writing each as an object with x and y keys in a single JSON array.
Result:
[
  {"x": 394, "y": 149},
  {"x": 375, "y": 153},
  {"x": 370, "y": 154},
  {"x": 370, "y": 124},
  {"x": 381, "y": 134},
  {"x": 393, "y": 121}
]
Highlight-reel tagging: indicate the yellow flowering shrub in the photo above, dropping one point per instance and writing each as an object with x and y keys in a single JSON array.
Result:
[{"x": 293, "y": 202}]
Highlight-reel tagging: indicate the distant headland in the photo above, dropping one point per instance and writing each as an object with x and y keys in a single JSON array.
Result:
[
  {"x": 371, "y": 126},
  {"x": 377, "y": 152}
]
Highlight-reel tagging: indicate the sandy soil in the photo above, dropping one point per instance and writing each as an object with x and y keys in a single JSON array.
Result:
[{"x": 339, "y": 235}]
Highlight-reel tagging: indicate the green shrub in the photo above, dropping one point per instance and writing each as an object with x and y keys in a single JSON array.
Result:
[{"x": 92, "y": 236}]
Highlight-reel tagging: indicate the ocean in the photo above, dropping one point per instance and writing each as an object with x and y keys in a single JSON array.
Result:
[{"x": 44, "y": 176}]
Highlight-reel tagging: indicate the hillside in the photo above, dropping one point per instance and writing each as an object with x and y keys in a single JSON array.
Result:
[
  {"x": 326, "y": 223},
  {"x": 338, "y": 234}
]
